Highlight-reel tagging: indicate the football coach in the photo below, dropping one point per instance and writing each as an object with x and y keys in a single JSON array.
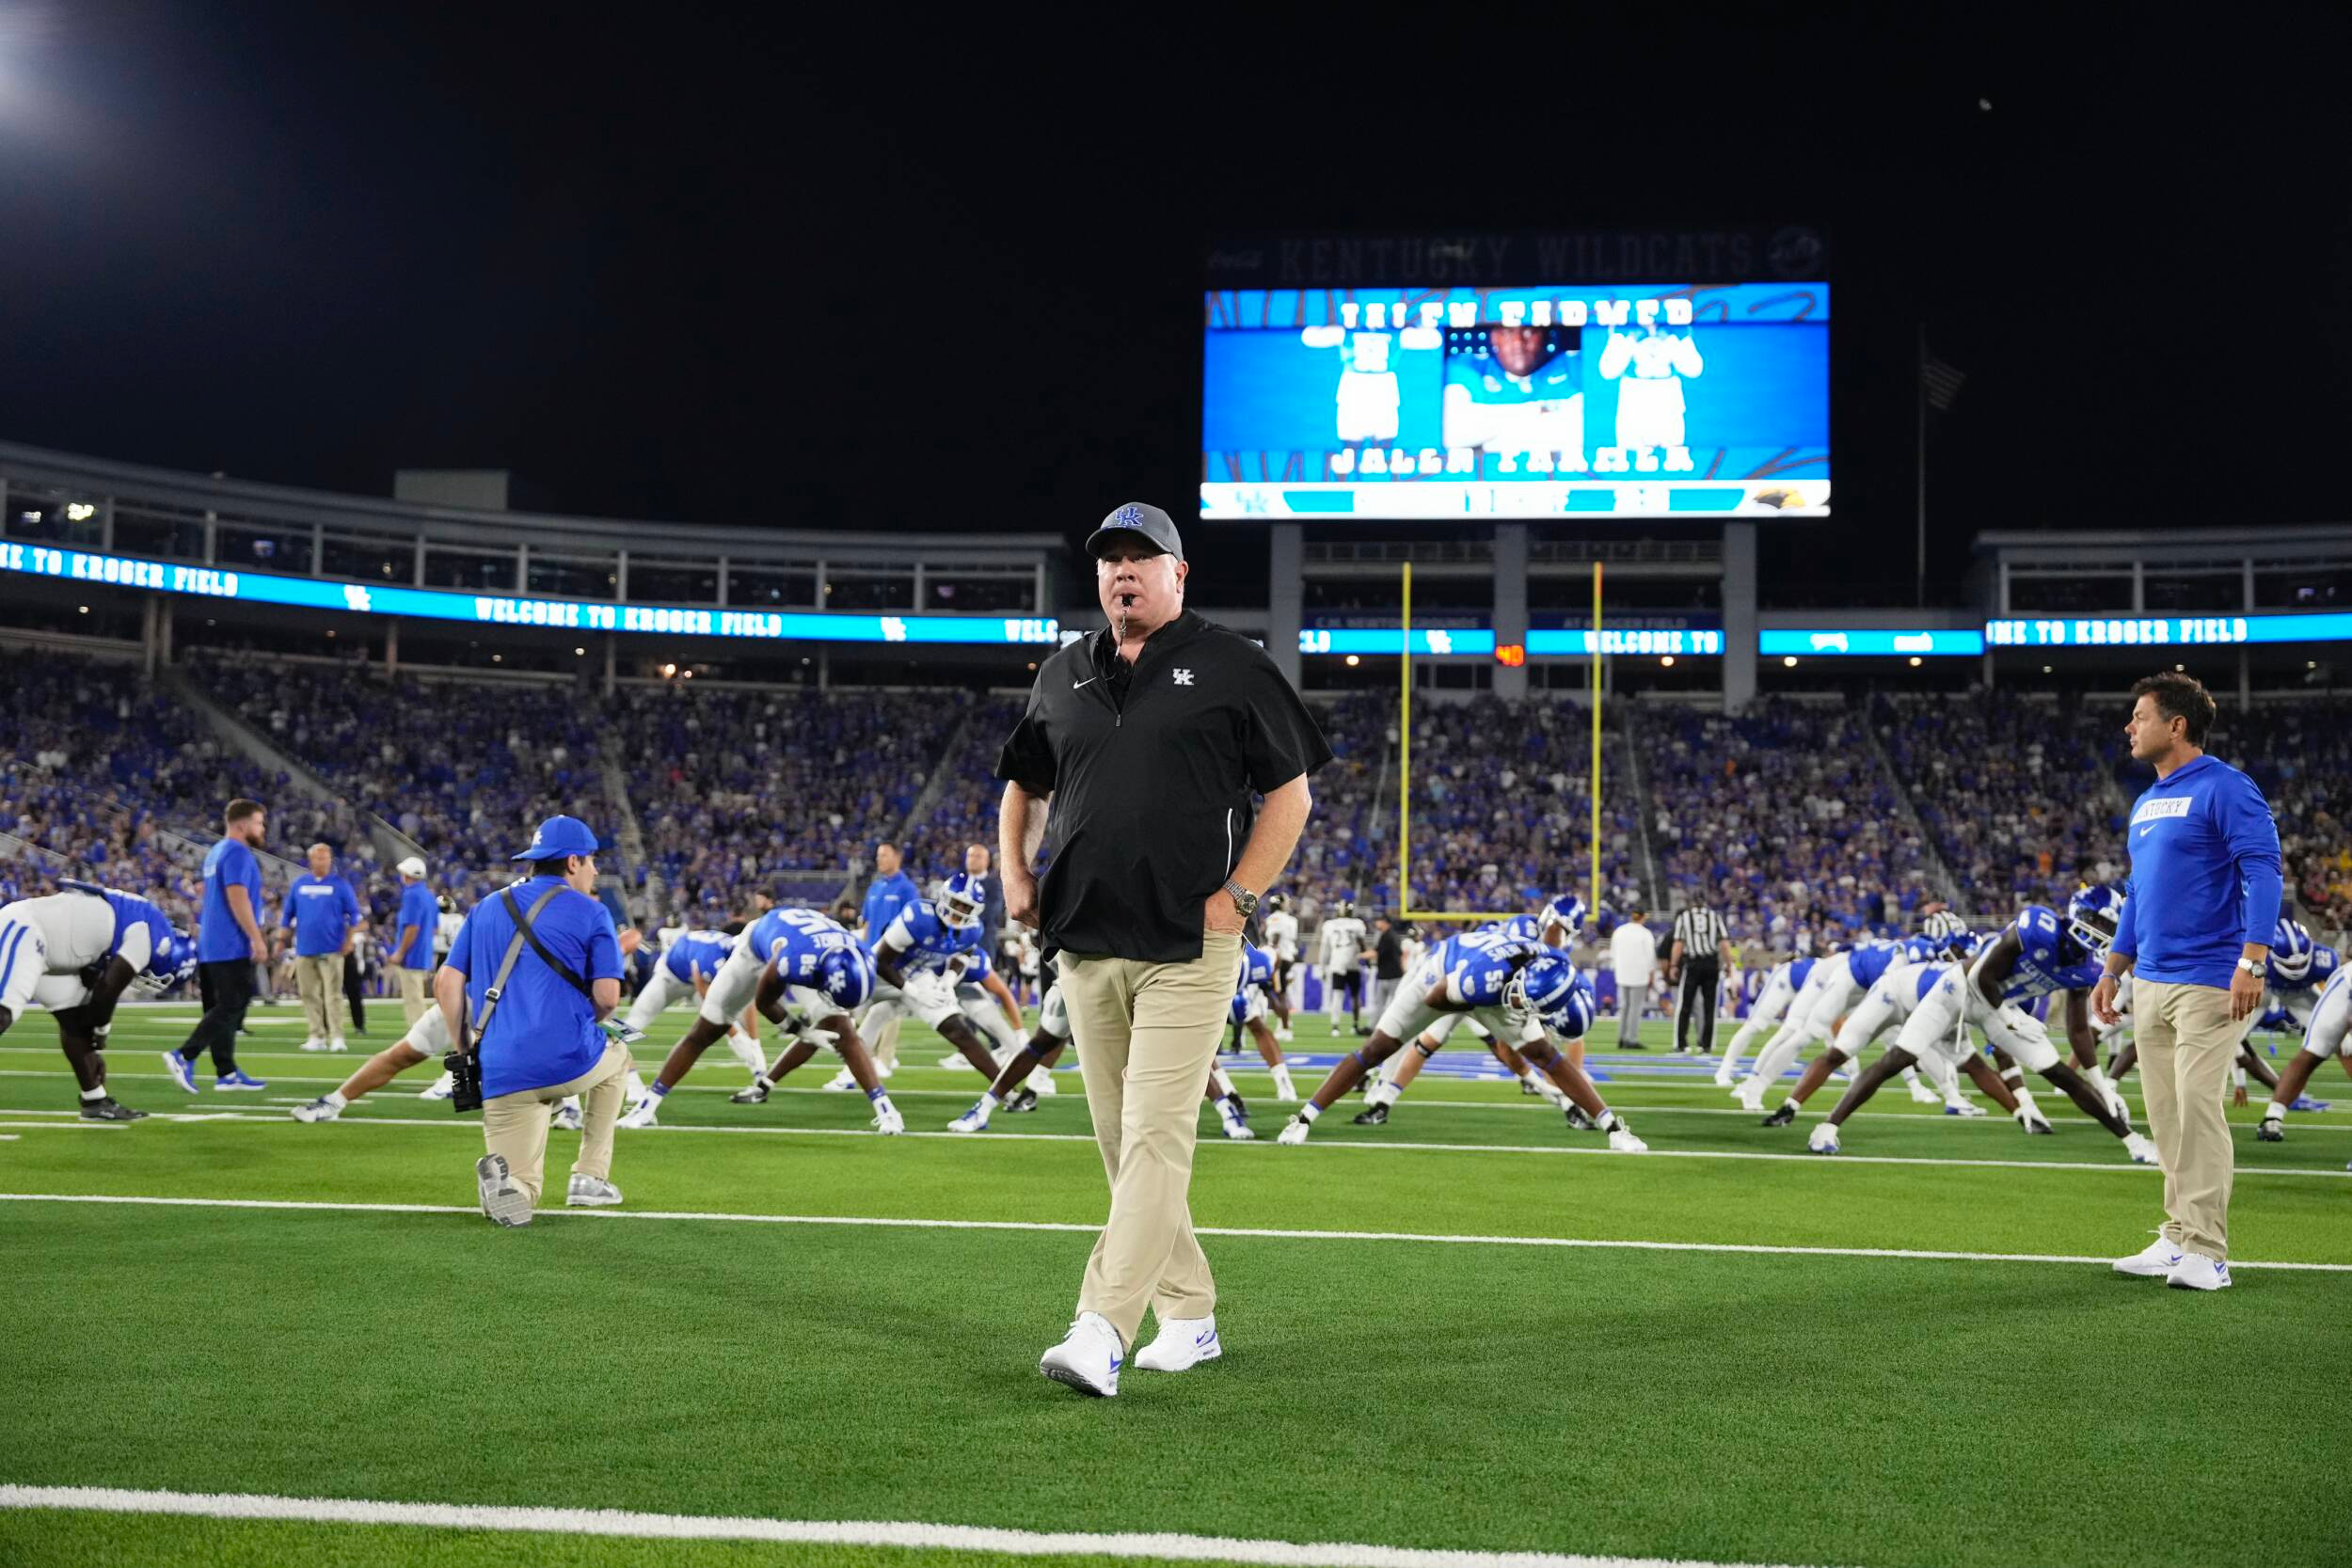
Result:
[
  {"x": 1146, "y": 740},
  {"x": 2195, "y": 932}
]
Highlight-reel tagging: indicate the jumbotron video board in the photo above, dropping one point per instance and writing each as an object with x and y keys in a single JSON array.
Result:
[{"x": 1631, "y": 400}]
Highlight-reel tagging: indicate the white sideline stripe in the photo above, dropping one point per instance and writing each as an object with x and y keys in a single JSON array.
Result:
[
  {"x": 1360, "y": 1144},
  {"x": 688, "y": 1526},
  {"x": 1245, "y": 1232}
]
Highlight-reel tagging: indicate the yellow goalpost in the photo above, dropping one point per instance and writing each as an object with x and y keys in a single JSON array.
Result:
[{"x": 1404, "y": 773}]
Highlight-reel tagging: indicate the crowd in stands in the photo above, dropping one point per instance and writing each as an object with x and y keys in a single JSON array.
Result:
[{"x": 1783, "y": 819}]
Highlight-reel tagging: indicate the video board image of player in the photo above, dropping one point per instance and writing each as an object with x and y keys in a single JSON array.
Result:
[
  {"x": 1368, "y": 402},
  {"x": 1517, "y": 392},
  {"x": 1651, "y": 363}
]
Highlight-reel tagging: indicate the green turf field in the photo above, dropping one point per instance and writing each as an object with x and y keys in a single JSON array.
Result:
[{"x": 794, "y": 1320}]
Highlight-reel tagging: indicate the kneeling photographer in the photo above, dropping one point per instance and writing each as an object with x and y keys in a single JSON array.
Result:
[{"x": 538, "y": 968}]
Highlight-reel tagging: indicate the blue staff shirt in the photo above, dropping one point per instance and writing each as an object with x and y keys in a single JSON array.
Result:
[
  {"x": 884, "y": 900},
  {"x": 419, "y": 911},
  {"x": 219, "y": 939},
  {"x": 544, "y": 1031},
  {"x": 322, "y": 910},
  {"x": 2205, "y": 876}
]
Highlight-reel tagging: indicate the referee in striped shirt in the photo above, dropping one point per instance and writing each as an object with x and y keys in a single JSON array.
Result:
[{"x": 1694, "y": 967}]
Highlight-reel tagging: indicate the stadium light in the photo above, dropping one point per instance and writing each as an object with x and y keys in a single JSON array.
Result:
[
  {"x": 1917, "y": 662},
  {"x": 1667, "y": 659},
  {"x": 79, "y": 512},
  {"x": 1790, "y": 661},
  {"x": 1353, "y": 661}
]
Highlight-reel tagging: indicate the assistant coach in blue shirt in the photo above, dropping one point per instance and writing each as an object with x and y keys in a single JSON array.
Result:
[
  {"x": 2194, "y": 933},
  {"x": 543, "y": 1042},
  {"x": 229, "y": 942},
  {"x": 412, "y": 940},
  {"x": 323, "y": 914}
]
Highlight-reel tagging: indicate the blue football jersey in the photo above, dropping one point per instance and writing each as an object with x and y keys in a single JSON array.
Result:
[
  {"x": 926, "y": 942},
  {"x": 2049, "y": 957},
  {"x": 1257, "y": 966},
  {"x": 1869, "y": 959},
  {"x": 697, "y": 955},
  {"x": 1478, "y": 965},
  {"x": 2325, "y": 962},
  {"x": 793, "y": 939},
  {"x": 130, "y": 910}
]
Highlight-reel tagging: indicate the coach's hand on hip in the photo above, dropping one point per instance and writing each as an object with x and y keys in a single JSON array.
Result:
[{"x": 1222, "y": 913}]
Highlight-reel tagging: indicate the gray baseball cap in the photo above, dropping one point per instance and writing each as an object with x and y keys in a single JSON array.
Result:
[{"x": 1139, "y": 520}]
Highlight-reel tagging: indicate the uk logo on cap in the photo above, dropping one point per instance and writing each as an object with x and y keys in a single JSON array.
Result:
[{"x": 1130, "y": 515}]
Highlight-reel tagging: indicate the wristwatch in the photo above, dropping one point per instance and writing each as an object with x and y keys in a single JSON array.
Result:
[
  {"x": 1244, "y": 899},
  {"x": 2254, "y": 966}
]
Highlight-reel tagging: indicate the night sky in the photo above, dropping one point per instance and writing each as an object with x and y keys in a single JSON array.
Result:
[{"x": 749, "y": 272}]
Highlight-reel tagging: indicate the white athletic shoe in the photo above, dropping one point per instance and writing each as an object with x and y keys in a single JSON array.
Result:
[
  {"x": 502, "y": 1198},
  {"x": 1727, "y": 1072},
  {"x": 1089, "y": 1358},
  {"x": 1924, "y": 1094},
  {"x": 1182, "y": 1344},
  {"x": 1293, "y": 1131},
  {"x": 642, "y": 1114},
  {"x": 1623, "y": 1142},
  {"x": 1823, "y": 1139},
  {"x": 441, "y": 1089},
  {"x": 1751, "y": 1094},
  {"x": 890, "y": 1123},
  {"x": 972, "y": 1120},
  {"x": 314, "y": 1043},
  {"x": 2141, "y": 1150},
  {"x": 840, "y": 1081},
  {"x": 1041, "y": 1080},
  {"x": 955, "y": 1060},
  {"x": 2197, "y": 1272},
  {"x": 1235, "y": 1128},
  {"x": 2158, "y": 1257},
  {"x": 1963, "y": 1108},
  {"x": 321, "y": 1109},
  {"x": 339, "y": 1043},
  {"x": 589, "y": 1192},
  {"x": 567, "y": 1119}
]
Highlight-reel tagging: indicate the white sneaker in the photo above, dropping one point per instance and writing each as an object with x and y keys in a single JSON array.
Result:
[
  {"x": 1751, "y": 1094},
  {"x": 956, "y": 1060},
  {"x": 1623, "y": 1142},
  {"x": 2197, "y": 1272},
  {"x": 589, "y": 1192},
  {"x": 1041, "y": 1081},
  {"x": 567, "y": 1119},
  {"x": 1088, "y": 1358},
  {"x": 339, "y": 1043},
  {"x": 314, "y": 1043},
  {"x": 1923, "y": 1094},
  {"x": 1293, "y": 1132},
  {"x": 321, "y": 1109},
  {"x": 972, "y": 1120},
  {"x": 845, "y": 1079},
  {"x": 2141, "y": 1150},
  {"x": 889, "y": 1123},
  {"x": 441, "y": 1089},
  {"x": 642, "y": 1114},
  {"x": 1182, "y": 1343},
  {"x": 1823, "y": 1138},
  {"x": 1236, "y": 1129},
  {"x": 1729, "y": 1073},
  {"x": 1962, "y": 1108},
  {"x": 502, "y": 1198},
  {"x": 2158, "y": 1257}
]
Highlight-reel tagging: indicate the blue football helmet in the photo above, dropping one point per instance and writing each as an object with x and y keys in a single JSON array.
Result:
[
  {"x": 173, "y": 964},
  {"x": 962, "y": 897},
  {"x": 1567, "y": 911},
  {"x": 1527, "y": 927},
  {"x": 2291, "y": 949},
  {"x": 846, "y": 976},
  {"x": 2091, "y": 916},
  {"x": 1550, "y": 987}
]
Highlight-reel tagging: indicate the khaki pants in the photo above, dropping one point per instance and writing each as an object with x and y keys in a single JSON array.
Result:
[
  {"x": 415, "y": 990},
  {"x": 319, "y": 979},
  {"x": 883, "y": 1047},
  {"x": 516, "y": 1125},
  {"x": 1146, "y": 1033},
  {"x": 2187, "y": 1043}
]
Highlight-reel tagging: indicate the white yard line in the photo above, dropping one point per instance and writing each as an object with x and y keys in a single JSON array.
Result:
[
  {"x": 1250, "y": 1232},
  {"x": 616, "y": 1523},
  {"x": 2118, "y": 1165}
]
